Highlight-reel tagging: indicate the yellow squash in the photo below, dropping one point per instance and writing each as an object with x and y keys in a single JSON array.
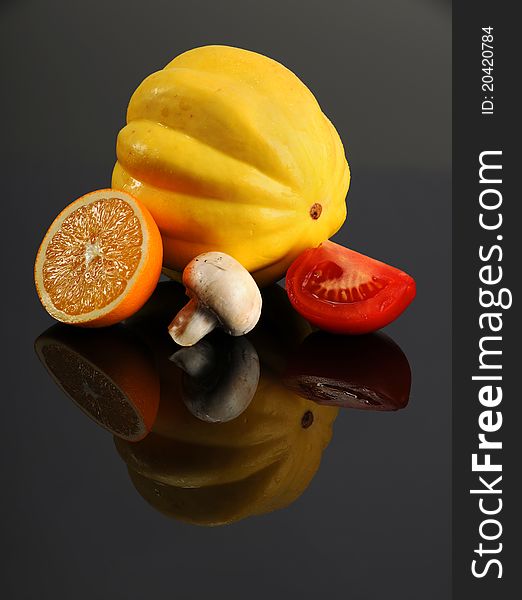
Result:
[{"x": 230, "y": 151}]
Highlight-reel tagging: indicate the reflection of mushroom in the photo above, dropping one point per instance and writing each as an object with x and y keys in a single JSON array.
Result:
[
  {"x": 220, "y": 378},
  {"x": 222, "y": 293}
]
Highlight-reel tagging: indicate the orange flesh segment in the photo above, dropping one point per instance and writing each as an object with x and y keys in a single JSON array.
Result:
[
  {"x": 330, "y": 282},
  {"x": 90, "y": 259}
]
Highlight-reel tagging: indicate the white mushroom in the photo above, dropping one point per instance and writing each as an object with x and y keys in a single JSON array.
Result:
[{"x": 222, "y": 294}]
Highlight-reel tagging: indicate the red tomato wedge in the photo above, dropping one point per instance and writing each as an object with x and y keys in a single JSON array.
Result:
[{"x": 342, "y": 291}]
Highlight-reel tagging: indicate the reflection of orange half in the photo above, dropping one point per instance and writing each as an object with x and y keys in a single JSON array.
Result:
[
  {"x": 106, "y": 373},
  {"x": 216, "y": 473}
]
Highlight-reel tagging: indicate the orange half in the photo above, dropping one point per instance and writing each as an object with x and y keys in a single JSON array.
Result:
[{"x": 99, "y": 261}]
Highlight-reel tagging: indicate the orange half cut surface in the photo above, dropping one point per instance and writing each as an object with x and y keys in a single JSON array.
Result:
[{"x": 99, "y": 261}]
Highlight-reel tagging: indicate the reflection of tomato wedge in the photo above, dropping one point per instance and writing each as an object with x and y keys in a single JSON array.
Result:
[
  {"x": 368, "y": 372},
  {"x": 342, "y": 291}
]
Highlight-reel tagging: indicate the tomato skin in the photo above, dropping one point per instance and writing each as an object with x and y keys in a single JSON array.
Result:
[{"x": 380, "y": 294}]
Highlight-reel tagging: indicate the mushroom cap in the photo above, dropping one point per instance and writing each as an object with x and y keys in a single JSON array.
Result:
[{"x": 221, "y": 284}]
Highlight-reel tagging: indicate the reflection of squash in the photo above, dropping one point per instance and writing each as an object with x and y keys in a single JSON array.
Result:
[
  {"x": 230, "y": 151},
  {"x": 210, "y": 474}
]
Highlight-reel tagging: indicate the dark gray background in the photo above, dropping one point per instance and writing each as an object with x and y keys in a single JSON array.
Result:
[{"x": 375, "y": 522}]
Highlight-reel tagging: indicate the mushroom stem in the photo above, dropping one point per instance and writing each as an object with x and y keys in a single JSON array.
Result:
[{"x": 192, "y": 323}]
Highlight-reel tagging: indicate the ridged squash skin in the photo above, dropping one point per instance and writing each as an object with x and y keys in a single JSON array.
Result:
[{"x": 230, "y": 151}]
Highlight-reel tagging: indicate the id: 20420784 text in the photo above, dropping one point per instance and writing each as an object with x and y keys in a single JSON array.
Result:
[{"x": 488, "y": 86}]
